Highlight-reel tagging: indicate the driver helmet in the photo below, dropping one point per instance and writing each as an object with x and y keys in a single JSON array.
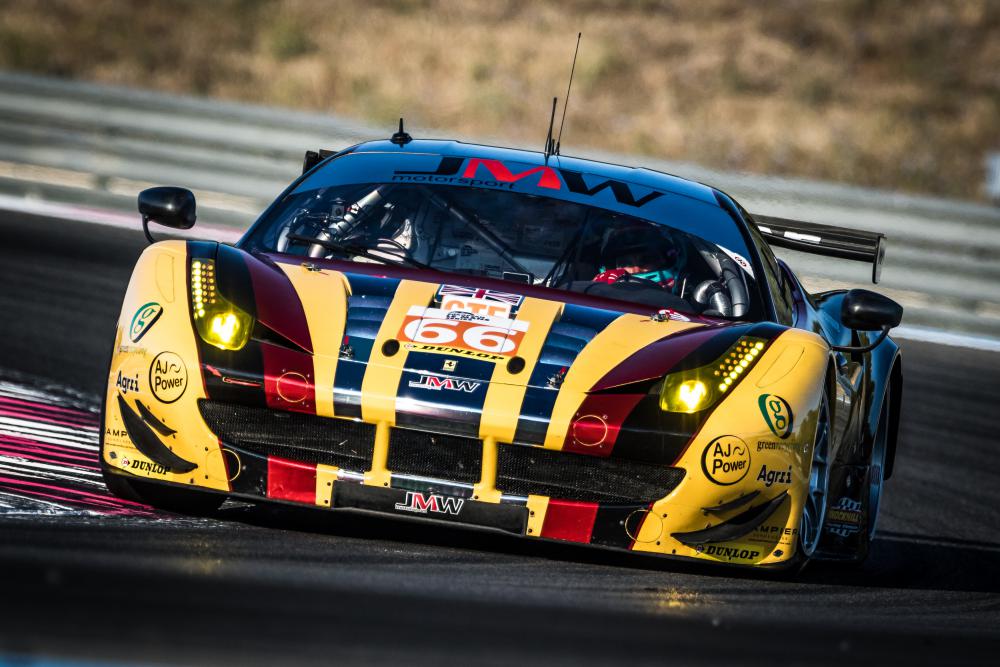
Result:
[{"x": 640, "y": 250}]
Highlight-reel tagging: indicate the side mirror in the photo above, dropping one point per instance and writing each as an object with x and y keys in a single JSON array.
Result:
[
  {"x": 863, "y": 310},
  {"x": 869, "y": 311},
  {"x": 168, "y": 206}
]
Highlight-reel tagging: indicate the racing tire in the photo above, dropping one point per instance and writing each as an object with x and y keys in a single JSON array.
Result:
[
  {"x": 814, "y": 507},
  {"x": 876, "y": 463}
]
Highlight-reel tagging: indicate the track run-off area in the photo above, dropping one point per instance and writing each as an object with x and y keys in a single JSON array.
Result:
[{"x": 90, "y": 577}]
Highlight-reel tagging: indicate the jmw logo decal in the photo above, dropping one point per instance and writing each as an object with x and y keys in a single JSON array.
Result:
[
  {"x": 548, "y": 177},
  {"x": 421, "y": 504},
  {"x": 437, "y": 383}
]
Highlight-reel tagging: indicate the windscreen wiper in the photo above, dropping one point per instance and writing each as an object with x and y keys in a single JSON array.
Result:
[{"x": 383, "y": 257}]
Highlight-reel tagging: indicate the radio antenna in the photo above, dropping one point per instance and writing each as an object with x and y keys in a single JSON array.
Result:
[
  {"x": 549, "y": 141},
  {"x": 568, "y": 88}
]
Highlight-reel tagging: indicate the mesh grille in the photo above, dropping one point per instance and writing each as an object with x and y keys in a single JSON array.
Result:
[
  {"x": 431, "y": 455},
  {"x": 524, "y": 470},
  {"x": 300, "y": 437}
]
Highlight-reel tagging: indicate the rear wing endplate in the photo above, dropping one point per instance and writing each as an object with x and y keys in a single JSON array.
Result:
[{"x": 825, "y": 240}]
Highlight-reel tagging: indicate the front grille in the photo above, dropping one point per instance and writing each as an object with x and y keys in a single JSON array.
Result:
[
  {"x": 524, "y": 470},
  {"x": 431, "y": 455},
  {"x": 292, "y": 435}
]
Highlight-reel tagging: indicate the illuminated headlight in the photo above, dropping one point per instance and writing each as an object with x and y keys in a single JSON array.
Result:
[
  {"x": 700, "y": 388},
  {"x": 219, "y": 322}
]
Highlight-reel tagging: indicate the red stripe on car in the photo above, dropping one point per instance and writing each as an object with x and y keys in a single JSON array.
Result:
[
  {"x": 569, "y": 520},
  {"x": 288, "y": 379},
  {"x": 291, "y": 480},
  {"x": 596, "y": 424},
  {"x": 278, "y": 304}
]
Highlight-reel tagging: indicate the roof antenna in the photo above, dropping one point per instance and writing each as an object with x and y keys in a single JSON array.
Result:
[
  {"x": 550, "y": 143},
  {"x": 401, "y": 138},
  {"x": 568, "y": 88}
]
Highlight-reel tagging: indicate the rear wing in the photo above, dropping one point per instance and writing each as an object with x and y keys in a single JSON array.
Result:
[{"x": 825, "y": 240}]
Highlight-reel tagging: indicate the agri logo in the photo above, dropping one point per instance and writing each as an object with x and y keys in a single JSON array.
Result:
[
  {"x": 143, "y": 320},
  {"x": 421, "y": 504},
  {"x": 777, "y": 413}
]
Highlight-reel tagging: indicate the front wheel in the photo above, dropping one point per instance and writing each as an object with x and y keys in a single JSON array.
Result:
[
  {"x": 814, "y": 505},
  {"x": 876, "y": 466}
]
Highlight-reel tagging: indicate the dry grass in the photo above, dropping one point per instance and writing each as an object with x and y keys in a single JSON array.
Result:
[{"x": 901, "y": 94}]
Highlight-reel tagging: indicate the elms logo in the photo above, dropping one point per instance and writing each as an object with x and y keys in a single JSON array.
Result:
[{"x": 143, "y": 320}]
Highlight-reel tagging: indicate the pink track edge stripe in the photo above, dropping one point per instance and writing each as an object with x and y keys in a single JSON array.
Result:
[
  {"x": 107, "y": 509},
  {"x": 76, "y": 491},
  {"x": 36, "y": 454},
  {"x": 44, "y": 406},
  {"x": 21, "y": 413},
  {"x": 21, "y": 440}
]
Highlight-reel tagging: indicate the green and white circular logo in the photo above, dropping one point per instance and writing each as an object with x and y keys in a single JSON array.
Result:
[
  {"x": 777, "y": 413},
  {"x": 143, "y": 320}
]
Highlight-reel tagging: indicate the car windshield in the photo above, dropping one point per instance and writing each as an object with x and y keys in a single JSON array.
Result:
[{"x": 513, "y": 236}]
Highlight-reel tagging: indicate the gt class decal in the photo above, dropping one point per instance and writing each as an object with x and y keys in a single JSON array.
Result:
[
  {"x": 777, "y": 413},
  {"x": 491, "y": 303},
  {"x": 726, "y": 460},
  {"x": 143, "y": 320},
  {"x": 460, "y": 330}
]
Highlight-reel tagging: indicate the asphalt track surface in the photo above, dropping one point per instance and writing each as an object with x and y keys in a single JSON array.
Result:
[{"x": 274, "y": 586}]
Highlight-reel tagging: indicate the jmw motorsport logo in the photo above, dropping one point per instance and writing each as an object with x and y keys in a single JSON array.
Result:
[
  {"x": 421, "y": 504},
  {"x": 500, "y": 175},
  {"x": 726, "y": 460}
]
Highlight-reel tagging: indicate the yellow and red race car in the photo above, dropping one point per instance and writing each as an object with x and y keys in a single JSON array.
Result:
[{"x": 547, "y": 346}]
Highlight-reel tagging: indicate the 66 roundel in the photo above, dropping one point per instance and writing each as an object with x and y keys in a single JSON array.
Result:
[{"x": 455, "y": 329}]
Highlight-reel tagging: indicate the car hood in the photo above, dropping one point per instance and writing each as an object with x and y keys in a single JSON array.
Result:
[{"x": 448, "y": 353}]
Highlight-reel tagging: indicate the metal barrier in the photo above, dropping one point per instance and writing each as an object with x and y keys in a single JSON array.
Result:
[{"x": 97, "y": 145}]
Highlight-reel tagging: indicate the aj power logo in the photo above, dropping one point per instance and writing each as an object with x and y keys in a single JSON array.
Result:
[
  {"x": 726, "y": 460},
  {"x": 167, "y": 377}
]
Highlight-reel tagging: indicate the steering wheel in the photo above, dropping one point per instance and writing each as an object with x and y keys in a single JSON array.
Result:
[
  {"x": 392, "y": 242},
  {"x": 631, "y": 277}
]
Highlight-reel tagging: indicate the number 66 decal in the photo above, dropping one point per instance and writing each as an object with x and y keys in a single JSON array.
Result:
[{"x": 433, "y": 326}]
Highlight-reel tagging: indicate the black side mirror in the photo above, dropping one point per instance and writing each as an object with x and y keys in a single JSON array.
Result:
[
  {"x": 863, "y": 310},
  {"x": 168, "y": 206},
  {"x": 869, "y": 311}
]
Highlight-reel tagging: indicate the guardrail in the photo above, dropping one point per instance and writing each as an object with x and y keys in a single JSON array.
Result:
[{"x": 98, "y": 145}]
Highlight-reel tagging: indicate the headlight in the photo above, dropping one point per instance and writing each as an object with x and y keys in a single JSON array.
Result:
[
  {"x": 700, "y": 388},
  {"x": 219, "y": 322}
]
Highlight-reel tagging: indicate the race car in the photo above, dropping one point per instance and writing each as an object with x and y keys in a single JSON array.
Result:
[{"x": 551, "y": 347}]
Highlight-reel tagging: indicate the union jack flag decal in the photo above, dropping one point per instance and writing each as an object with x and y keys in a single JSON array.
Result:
[{"x": 509, "y": 298}]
